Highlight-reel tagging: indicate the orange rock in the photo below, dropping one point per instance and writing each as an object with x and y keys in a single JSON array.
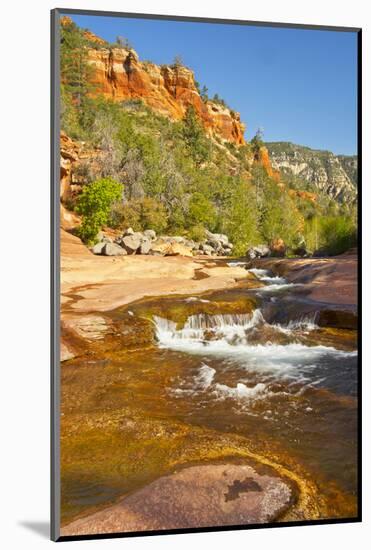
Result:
[
  {"x": 278, "y": 247},
  {"x": 262, "y": 158},
  {"x": 119, "y": 75}
]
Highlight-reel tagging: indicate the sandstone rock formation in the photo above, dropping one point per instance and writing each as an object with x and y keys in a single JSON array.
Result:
[{"x": 118, "y": 74}]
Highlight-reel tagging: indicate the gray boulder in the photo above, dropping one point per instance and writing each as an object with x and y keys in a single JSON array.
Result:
[
  {"x": 128, "y": 231},
  {"x": 217, "y": 237},
  {"x": 150, "y": 233},
  {"x": 131, "y": 243},
  {"x": 207, "y": 249},
  {"x": 259, "y": 251},
  {"x": 145, "y": 245},
  {"x": 112, "y": 249},
  {"x": 97, "y": 249}
]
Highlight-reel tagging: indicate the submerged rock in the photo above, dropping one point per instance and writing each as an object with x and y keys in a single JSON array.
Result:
[{"x": 198, "y": 496}]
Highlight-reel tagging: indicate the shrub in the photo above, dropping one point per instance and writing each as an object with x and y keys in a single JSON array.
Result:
[
  {"x": 201, "y": 211},
  {"x": 94, "y": 204},
  {"x": 240, "y": 218},
  {"x": 197, "y": 233},
  {"x": 140, "y": 214}
]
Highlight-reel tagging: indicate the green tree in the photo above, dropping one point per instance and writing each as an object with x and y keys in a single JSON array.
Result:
[
  {"x": 201, "y": 211},
  {"x": 75, "y": 69},
  {"x": 204, "y": 93},
  {"x": 177, "y": 62},
  {"x": 240, "y": 218},
  {"x": 279, "y": 217},
  {"x": 257, "y": 141},
  {"x": 94, "y": 204},
  {"x": 194, "y": 136}
]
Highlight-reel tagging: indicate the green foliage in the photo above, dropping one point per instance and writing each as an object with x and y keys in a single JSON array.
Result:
[
  {"x": 257, "y": 141},
  {"x": 201, "y": 211},
  {"x": 75, "y": 70},
  {"x": 241, "y": 217},
  {"x": 197, "y": 233},
  {"x": 331, "y": 234},
  {"x": 280, "y": 219},
  {"x": 204, "y": 93},
  {"x": 194, "y": 136},
  {"x": 219, "y": 100},
  {"x": 140, "y": 214},
  {"x": 94, "y": 204}
]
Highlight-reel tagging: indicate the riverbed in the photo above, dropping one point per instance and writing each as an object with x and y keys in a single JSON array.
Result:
[{"x": 249, "y": 375}]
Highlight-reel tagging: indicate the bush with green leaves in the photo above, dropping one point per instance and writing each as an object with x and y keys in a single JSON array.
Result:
[
  {"x": 140, "y": 214},
  {"x": 94, "y": 204}
]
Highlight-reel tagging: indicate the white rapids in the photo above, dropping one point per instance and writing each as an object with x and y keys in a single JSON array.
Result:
[{"x": 258, "y": 352}]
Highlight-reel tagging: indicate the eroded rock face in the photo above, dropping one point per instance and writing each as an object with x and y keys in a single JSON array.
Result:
[
  {"x": 119, "y": 75},
  {"x": 335, "y": 175},
  {"x": 198, "y": 496}
]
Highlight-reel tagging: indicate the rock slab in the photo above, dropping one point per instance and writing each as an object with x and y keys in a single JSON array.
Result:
[{"x": 198, "y": 496}]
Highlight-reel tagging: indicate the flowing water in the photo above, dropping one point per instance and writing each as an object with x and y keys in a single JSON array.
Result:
[{"x": 254, "y": 369}]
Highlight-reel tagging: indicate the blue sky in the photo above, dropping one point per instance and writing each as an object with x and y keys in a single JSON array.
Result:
[{"x": 297, "y": 85}]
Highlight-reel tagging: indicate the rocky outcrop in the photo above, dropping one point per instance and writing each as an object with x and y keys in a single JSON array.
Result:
[
  {"x": 118, "y": 74},
  {"x": 261, "y": 158},
  {"x": 74, "y": 157},
  {"x": 323, "y": 171}
]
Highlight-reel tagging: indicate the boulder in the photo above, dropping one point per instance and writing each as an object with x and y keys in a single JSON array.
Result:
[
  {"x": 145, "y": 245},
  {"x": 113, "y": 249},
  {"x": 170, "y": 249},
  {"x": 218, "y": 237},
  {"x": 178, "y": 249},
  {"x": 259, "y": 251},
  {"x": 131, "y": 243},
  {"x": 102, "y": 238},
  {"x": 278, "y": 248},
  {"x": 159, "y": 248},
  {"x": 97, "y": 248},
  {"x": 207, "y": 249},
  {"x": 150, "y": 233}
]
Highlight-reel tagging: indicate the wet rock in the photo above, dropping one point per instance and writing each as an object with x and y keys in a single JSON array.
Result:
[
  {"x": 338, "y": 318},
  {"x": 112, "y": 249},
  {"x": 66, "y": 352},
  {"x": 198, "y": 496}
]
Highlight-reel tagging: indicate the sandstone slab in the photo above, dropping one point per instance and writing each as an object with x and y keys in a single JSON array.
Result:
[{"x": 198, "y": 496}]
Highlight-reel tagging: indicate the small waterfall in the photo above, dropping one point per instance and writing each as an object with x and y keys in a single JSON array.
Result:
[{"x": 202, "y": 327}]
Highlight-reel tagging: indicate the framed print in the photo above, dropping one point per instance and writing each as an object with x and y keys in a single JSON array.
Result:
[{"x": 206, "y": 186}]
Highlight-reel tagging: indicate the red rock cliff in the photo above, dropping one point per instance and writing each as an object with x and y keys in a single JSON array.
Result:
[{"x": 118, "y": 74}]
